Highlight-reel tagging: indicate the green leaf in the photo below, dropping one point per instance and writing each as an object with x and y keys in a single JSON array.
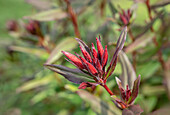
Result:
[
  {"x": 35, "y": 83},
  {"x": 40, "y": 4},
  {"x": 139, "y": 43},
  {"x": 149, "y": 90},
  {"x": 42, "y": 95},
  {"x": 49, "y": 15},
  {"x": 65, "y": 45},
  {"x": 147, "y": 69},
  {"x": 99, "y": 106},
  {"x": 128, "y": 75},
  {"x": 35, "y": 51}
]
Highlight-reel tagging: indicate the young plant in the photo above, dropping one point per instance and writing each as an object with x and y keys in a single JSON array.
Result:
[
  {"x": 93, "y": 64},
  {"x": 91, "y": 69}
]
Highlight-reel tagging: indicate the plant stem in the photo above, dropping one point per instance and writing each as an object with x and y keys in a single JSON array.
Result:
[
  {"x": 160, "y": 56},
  {"x": 108, "y": 90},
  {"x": 41, "y": 42},
  {"x": 73, "y": 17}
]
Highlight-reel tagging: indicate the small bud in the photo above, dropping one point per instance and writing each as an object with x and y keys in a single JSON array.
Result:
[
  {"x": 12, "y": 25},
  {"x": 94, "y": 52},
  {"x": 33, "y": 27},
  {"x": 104, "y": 57},
  {"x": 99, "y": 47},
  {"x": 86, "y": 55}
]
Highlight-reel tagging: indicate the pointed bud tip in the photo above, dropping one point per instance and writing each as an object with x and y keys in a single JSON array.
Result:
[{"x": 118, "y": 80}]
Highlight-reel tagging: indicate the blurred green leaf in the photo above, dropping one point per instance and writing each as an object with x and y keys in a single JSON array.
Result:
[
  {"x": 40, "y": 4},
  {"x": 35, "y": 83},
  {"x": 149, "y": 90},
  {"x": 146, "y": 70},
  {"x": 71, "y": 87},
  {"x": 65, "y": 45},
  {"x": 35, "y": 51},
  {"x": 100, "y": 107},
  {"x": 139, "y": 43},
  {"x": 42, "y": 95},
  {"x": 49, "y": 15}
]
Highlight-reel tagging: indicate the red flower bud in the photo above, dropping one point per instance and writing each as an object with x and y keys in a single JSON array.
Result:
[
  {"x": 86, "y": 55},
  {"x": 104, "y": 57},
  {"x": 74, "y": 59},
  {"x": 12, "y": 25},
  {"x": 94, "y": 52},
  {"x": 99, "y": 47}
]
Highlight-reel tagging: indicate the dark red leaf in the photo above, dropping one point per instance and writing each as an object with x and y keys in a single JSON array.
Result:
[
  {"x": 123, "y": 18},
  {"x": 127, "y": 112},
  {"x": 135, "y": 89},
  {"x": 122, "y": 90},
  {"x": 136, "y": 109},
  {"x": 120, "y": 44}
]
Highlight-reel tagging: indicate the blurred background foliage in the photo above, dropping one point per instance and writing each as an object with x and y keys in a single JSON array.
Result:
[{"x": 27, "y": 88}]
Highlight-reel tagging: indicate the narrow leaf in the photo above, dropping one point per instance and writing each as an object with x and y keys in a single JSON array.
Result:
[
  {"x": 139, "y": 43},
  {"x": 39, "y": 4},
  {"x": 73, "y": 75},
  {"x": 49, "y": 15},
  {"x": 135, "y": 89},
  {"x": 35, "y": 51},
  {"x": 128, "y": 74},
  {"x": 83, "y": 45},
  {"x": 56, "y": 53},
  {"x": 120, "y": 44},
  {"x": 35, "y": 83}
]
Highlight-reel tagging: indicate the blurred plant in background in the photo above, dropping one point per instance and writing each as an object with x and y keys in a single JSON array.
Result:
[{"x": 37, "y": 33}]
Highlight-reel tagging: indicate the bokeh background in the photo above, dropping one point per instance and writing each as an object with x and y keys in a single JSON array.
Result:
[{"x": 27, "y": 88}]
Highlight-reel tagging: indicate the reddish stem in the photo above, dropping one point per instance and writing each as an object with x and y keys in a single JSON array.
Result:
[
  {"x": 73, "y": 17},
  {"x": 108, "y": 90},
  {"x": 41, "y": 42}
]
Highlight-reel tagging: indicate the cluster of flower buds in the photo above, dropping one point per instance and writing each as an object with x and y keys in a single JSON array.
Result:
[
  {"x": 33, "y": 27},
  {"x": 125, "y": 17},
  {"x": 127, "y": 95},
  {"x": 94, "y": 61},
  {"x": 91, "y": 70},
  {"x": 12, "y": 26}
]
